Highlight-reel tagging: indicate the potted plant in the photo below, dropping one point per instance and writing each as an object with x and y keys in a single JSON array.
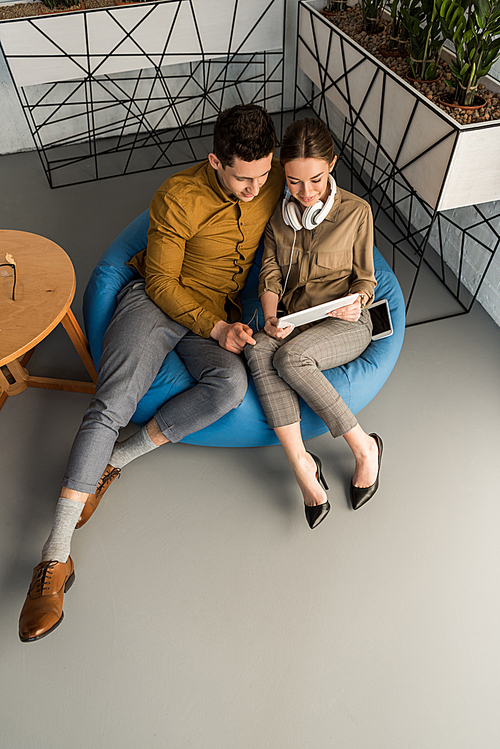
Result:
[
  {"x": 422, "y": 23},
  {"x": 60, "y": 6},
  {"x": 333, "y": 6},
  {"x": 372, "y": 13},
  {"x": 399, "y": 36},
  {"x": 402, "y": 128},
  {"x": 473, "y": 26}
]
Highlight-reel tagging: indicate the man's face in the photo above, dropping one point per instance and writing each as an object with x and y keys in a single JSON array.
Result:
[{"x": 243, "y": 179}]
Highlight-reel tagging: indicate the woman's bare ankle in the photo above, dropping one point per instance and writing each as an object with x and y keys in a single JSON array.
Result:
[
  {"x": 312, "y": 492},
  {"x": 366, "y": 470}
]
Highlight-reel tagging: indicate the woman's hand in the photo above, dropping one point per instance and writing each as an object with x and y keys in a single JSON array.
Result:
[
  {"x": 350, "y": 312},
  {"x": 272, "y": 330}
]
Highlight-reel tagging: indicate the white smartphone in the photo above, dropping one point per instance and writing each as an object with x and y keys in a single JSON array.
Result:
[{"x": 381, "y": 319}]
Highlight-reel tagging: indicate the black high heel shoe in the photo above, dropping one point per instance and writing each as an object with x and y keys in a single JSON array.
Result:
[
  {"x": 317, "y": 513},
  {"x": 360, "y": 495}
]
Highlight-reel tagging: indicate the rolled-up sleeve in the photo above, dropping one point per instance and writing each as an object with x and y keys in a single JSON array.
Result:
[
  {"x": 270, "y": 278},
  {"x": 363, "y": 272}
]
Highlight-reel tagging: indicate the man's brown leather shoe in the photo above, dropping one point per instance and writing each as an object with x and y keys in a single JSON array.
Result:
[
  {"x": 92, "y": 503},
  {"x": 42, "y": 611}
]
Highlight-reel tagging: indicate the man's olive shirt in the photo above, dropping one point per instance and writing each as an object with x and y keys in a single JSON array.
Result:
[{"x": 201, "y": 245}]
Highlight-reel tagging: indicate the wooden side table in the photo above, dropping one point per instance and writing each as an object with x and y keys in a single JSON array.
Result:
[{"x": 45, "y": 288}]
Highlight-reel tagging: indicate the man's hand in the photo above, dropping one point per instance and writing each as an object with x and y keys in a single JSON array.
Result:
[
  {"x": 350, "y": 312},
  {"x": 272, "y": 330},
  {"x": 233, "y": 337}
]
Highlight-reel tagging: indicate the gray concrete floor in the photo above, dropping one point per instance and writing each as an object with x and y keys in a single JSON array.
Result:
[{"x": 206, "y": 614}]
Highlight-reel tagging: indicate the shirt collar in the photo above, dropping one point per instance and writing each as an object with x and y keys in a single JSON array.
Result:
[
  {"x": 214, "y": 184},
  {"x": 334, "y": 212}
]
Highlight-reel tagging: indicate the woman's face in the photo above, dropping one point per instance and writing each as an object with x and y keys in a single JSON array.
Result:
[{"x": 307, "y": 180}]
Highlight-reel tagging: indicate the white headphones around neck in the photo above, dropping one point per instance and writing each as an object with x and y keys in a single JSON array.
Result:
[{"x": 311, "y": 216}]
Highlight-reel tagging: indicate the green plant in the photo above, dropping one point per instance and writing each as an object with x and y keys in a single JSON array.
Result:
[
  {"x": 372, "y": 12},
  {"x": 473, "y": 26},
  {"x": 395, "y": 24},
  {"x": 422, "y": 23},
  {"x": 399, "y": 35},
  {"x": 55, "y": 3}
]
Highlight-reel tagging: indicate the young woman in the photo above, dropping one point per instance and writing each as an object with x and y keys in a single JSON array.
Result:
[{"x": 318, "y": 247}]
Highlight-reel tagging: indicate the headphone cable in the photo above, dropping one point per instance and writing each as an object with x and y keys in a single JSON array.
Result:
[{"x": 291, "y": 258}]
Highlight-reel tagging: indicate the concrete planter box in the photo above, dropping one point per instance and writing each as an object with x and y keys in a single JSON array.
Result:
[
  {"x": 106, "y": 41},
  {"x": 450, "y": 165}
]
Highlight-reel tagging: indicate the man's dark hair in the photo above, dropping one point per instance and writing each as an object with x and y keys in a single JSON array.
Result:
[{"x": 245, "y": 131}]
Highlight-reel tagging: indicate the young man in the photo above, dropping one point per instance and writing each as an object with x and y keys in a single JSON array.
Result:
[{"x": 204, "y": 230}]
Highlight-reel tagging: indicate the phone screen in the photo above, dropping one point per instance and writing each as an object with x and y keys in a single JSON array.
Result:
[{"x": 380, "y": 319}]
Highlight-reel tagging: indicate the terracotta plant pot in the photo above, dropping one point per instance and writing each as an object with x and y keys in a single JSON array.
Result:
[
  {"x": 330, "y": 14},
  {"x": 479, "y": 101},
  {"x": 385, "y": 52},
  {"x": 421, "y": 80}
]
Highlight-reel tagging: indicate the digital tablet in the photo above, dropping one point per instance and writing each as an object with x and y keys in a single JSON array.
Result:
[{"x": 315, "y": 313}]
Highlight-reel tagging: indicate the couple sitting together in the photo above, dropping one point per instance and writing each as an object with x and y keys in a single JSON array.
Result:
[{"x": 204, "y": 230}]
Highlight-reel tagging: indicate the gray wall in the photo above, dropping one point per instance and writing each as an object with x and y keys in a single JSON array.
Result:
[{"x": 15, "y": 135}]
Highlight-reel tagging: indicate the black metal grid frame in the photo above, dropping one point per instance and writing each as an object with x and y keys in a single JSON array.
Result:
[
  {"x": 418, "y": 225},
  {"x": 138, "y": 138}
]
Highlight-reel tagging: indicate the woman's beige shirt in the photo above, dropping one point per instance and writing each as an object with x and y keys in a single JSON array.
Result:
[{"x": 329, "y": 262}]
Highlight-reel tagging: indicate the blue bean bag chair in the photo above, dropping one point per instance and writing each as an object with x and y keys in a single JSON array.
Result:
[{"x": 246, "y": 426}]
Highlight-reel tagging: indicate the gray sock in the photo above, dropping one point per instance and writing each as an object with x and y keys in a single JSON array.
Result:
[
  {"x": 57, "y": 546},
  {"x": 138, "y": 444}
]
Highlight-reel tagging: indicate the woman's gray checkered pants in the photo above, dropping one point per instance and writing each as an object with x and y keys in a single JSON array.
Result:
[{"x": 283, "y": 370}]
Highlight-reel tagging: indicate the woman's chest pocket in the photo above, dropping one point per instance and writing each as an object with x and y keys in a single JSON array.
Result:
[
  {"x": 286, "y": 257},
  {"x": 332, "y": 265}
]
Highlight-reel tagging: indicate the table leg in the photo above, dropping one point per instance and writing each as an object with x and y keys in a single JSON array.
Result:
[
  {"x": 3, "y": 389},
  {"x": 7, "y": 388},
  {"x": 79, "y": 341},
  {"x": 4, "y": 385},
  {"x": 23, "y": 379},
  {"x": 20, "y": 376}
]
